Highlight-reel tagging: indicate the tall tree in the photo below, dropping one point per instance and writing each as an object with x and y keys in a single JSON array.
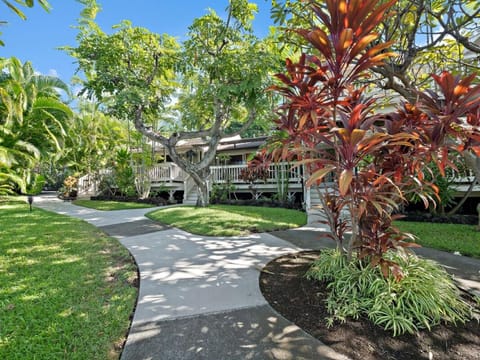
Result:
[
  {"x": 92, "y": 139},
  {"x": 218, "y": 75}
]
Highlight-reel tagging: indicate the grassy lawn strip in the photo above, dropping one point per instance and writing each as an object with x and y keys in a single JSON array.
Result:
[
  {"x": 67, "y": 289},
  {"x": 448, "y": 237},
  {"x": 111, "y": 205},
  {"x": 229, "y": 220}
]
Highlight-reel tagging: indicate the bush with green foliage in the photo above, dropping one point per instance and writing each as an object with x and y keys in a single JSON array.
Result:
[
  {"x": 424, "y": 297},
  {"x": 221, "y": 193},
  {"x": 36, "y": 185},
  {"x": 124, "y": 175}
]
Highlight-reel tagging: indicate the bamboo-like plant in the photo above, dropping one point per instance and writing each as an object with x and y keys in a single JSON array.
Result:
[{"x": 328, "y": 123}]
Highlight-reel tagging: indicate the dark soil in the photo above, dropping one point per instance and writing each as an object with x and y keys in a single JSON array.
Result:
[
  {"x": 301, "y": 301},
  {"x": 452, "y": 219},
  {"x": 158, "y": 201}
]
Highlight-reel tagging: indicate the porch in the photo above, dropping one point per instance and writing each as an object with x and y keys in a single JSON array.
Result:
[{"x": 170, "y": 178}]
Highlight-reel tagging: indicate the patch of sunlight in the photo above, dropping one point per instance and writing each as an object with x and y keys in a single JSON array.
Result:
[
  {"x": 35, "y": 248},
  {"x": 16, "y": 288},
  {"x": 31, "y": 297},
  {"x": 66, "y": 313},
  {"x": 67, "y": 260},
  {"x": 31, "y": 262}
]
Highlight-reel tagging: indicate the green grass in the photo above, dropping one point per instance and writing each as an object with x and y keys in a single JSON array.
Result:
[
  {"x": 66, "y": 288},
  {"x": 448, "y": 237},
  {"x": 111, "y": 205},
  {"x": 229, "y": 220}
]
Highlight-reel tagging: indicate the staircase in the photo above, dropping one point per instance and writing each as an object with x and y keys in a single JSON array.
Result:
[
  {"x": 190, "y": 194},
  {"x": 191, "y": 198},
  {"x": 314, "y": 199},
  {"x": 315, "y": 208}
]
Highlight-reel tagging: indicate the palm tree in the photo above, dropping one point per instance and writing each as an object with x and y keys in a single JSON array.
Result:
[
  {"x": 93, "y": 139},
  {"x": 33, "y": 121}
]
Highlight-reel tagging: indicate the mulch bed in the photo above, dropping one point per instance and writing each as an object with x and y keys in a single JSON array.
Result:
[{"x": 300, "y": 300}]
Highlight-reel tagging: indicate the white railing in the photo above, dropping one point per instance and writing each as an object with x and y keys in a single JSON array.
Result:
[
  {"x": 221, "y": 174},
  {"x": 165, "y": 173},
  {"x": 89, "y": 184},
  {"x": 169, "y": 172}
]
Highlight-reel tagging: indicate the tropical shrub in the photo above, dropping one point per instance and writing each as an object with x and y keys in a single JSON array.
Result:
[
  {"x": 221, "y": 193},
  {"x": 255, "y": 173},
  {"x": 36, "y": 185},
  {"x": 424, "y": 297},
  {"x": 328, "y": 124},
  {"x": 124, "y": 175},
  {"x": 33, "y": 122}
]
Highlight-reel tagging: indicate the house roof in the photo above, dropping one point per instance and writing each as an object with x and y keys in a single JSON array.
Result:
[
  {"x": 227, "y": 143},
  {"x": 248, "y": 143}
]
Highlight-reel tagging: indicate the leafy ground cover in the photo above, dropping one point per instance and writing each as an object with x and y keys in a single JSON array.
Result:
[
  {"x": 229, "y": 220},
  {"x": 68, "y": 290},
  {"x": 111, "y": 205},
  {"x": 302, "y": 301},
  {"x": 464, "y": 239}
]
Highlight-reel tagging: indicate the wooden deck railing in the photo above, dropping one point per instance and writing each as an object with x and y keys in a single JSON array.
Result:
[
  {"x": 231, "y": 173},
  {"x": 171, "y": 173},
  {"x": 166, "y": 172}
]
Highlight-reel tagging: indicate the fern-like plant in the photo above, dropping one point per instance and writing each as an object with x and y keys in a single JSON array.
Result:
[{"x": 424, "y": 297}]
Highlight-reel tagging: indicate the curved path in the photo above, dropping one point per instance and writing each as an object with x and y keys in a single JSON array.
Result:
[{"x": 199, "y": 296}]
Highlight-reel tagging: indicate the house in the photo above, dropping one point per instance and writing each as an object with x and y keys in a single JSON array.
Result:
[
  {"x": 284, "y": 180},
  {"x": 232, "y": 157}
]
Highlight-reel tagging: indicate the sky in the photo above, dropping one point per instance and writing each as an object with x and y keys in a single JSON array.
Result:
[{"x": 37, "y": 39}]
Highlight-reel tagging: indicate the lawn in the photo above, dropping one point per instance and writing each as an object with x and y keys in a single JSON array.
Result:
[
  {"x": 448, "y": 237},
  {"x": 67, "y": 289},
  {"x": 111, "y": 205},
  {"x": 229, "y": 220}
]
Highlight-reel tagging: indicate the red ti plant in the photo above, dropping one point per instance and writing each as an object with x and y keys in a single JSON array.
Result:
[
  {"x": 327, "y": 123},
  {"x": 256, "y": 171}
]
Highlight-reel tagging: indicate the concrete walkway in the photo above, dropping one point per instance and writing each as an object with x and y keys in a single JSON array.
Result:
[{"x": 199, "y": 296}]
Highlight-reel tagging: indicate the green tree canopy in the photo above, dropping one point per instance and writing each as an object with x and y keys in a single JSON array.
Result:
[
  {"x": 214, "y": 81},
  {"x": 93, "y": 137}
]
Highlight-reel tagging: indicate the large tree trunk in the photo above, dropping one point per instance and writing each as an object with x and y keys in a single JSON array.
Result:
[
  {"x": 198, "y": 170},
  {"x": 200, "y": 178}
]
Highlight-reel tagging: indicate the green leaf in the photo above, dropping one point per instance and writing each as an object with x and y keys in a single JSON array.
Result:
[{"x": 15, "y": 9}]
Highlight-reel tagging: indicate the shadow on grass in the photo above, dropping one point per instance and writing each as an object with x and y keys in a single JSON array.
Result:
[{"x": 64, "y": 289}]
